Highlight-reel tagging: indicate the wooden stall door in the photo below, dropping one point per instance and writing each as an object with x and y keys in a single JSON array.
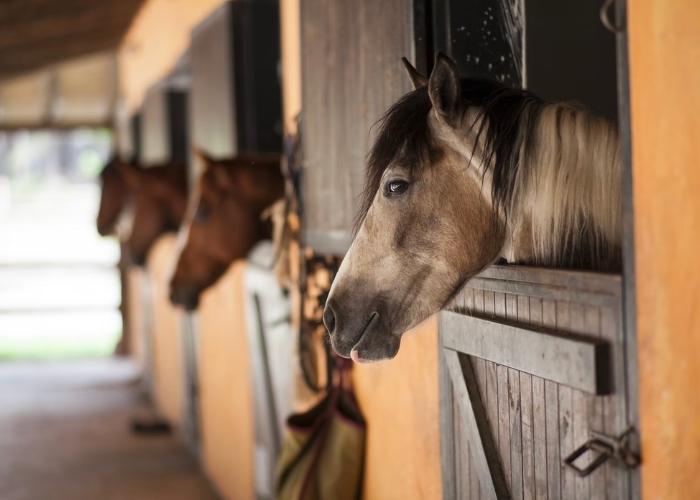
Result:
[
  {"x": 534, "y": 362},
  {"x": 533, "y": 365},
  {"x": 351, "y": 74}
]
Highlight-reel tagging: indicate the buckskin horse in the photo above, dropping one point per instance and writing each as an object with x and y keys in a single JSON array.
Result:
[
  {"x": 158, "y": 199},
  {"x": 224, "y": 221},
  {"x": 463, "y": 173}
]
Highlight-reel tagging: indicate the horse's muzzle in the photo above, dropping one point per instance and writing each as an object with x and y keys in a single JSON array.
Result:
[{"x": 359, "y": 337}]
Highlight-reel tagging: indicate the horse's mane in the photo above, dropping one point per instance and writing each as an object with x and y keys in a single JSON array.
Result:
[
  {"x": 404, "y": 134},
  {"x": 555, "y": 157}
]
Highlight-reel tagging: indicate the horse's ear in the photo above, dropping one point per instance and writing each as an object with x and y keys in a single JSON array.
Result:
[
  {"x": 418, "y": 80},
  {"x": 444, "y": 89}
]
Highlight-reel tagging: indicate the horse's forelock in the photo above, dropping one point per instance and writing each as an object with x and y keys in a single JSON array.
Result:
[
  {"x": 506, "y": 118},
  {"x": 402, "y": 135}
]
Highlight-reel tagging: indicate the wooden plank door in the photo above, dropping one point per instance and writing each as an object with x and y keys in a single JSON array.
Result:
[
  {"x": 533, "y": 361},
  {"x": 351, "y": 74}
]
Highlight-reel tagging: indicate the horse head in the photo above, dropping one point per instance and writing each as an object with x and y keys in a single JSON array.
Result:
[
  {"x": 158, "y": 199},
  {"x": 425, "y": 226},
  {"x": 464, "y": 172},
  {"x": 113, "y": 198},
  {"x": 223, "y": 221}
]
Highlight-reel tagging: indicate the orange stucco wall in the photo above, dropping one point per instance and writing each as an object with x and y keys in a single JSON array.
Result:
[
  {"x": 401, "y": 405},
  {"x": 166, "y": 324},
  {"x": 135, "y": 295},
  {"x": 226, "y": 406},
  {"x": 664, "y": 41}
]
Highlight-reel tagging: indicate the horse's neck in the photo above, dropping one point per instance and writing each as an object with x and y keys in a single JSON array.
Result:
[{"x": 567, "y": 199}]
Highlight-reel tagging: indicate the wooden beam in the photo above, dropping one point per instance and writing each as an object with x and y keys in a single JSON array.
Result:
[
  {"x": 575, "y": 361},
  {"x": 481, "y": 444},
  {"x": 37, "y": 33}
]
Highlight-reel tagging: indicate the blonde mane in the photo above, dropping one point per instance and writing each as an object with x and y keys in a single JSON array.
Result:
[{"x": 567, "y": 193}]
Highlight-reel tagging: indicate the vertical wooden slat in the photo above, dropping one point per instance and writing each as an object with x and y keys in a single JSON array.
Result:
[
  {"x": 579, "y": 426},
  {"x": 448, "y": 449},
  {"x": 480, "y": 364},
  {"x": 484, "y": 451},
  {"x": 499, "y": 312},
  {"x": 539, "y": 426},
  {"x": 474, "y": 487},
  {"x": 516, "y": 444},
  {"x": 551, "y": 401},
  {"x": 526, "y": 411},
  {"x": 566, "y": 435},
  {"x": 595, "y": 406},
  {"x": 614, "y": 415},
  {"x": 480, "y": 369},
  {"x": 462, "y": 464},
  {"x": 491, "y": 375}
]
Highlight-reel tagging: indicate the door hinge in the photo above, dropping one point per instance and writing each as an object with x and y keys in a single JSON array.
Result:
[{"x": 620, "y": 450}]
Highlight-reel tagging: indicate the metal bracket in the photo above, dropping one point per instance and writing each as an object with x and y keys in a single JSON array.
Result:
[{"x": 617, "y": 449}]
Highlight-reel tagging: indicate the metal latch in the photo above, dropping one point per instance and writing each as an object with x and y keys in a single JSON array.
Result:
[{"x": 606, "y": 448}]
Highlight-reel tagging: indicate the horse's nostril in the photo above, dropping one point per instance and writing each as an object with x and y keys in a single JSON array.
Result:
[{"x": 329, "y": 318}]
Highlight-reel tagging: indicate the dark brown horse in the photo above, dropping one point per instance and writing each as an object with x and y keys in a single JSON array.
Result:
[
  {"x": 158, "y": 201},
  {"x": 463, "y": 173},
  {"x": 224, "y": 221},
  {"x": 113, "y": 199}
]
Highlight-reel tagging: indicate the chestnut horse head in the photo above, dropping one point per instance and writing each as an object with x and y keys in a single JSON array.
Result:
[
  {"x": 113, "y": 198},
  {"x": 462, "y": 173},
  {"x": 224, "y": 221},
  {"x": 158, "y": 203}
]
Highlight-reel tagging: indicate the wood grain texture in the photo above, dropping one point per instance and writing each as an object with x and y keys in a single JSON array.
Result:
[
  {"x": 569, "y": 360},
  {"x": 664, "y": 47},
  {"x": 351, "y": 74},
  {"x": 537, "y": 421}
]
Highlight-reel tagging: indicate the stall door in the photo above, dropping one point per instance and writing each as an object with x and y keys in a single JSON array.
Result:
[
  {"x": 536, "y": 398},
  {"x": 533, "y": 370}
]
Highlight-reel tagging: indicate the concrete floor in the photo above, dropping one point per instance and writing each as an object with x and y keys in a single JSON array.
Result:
[{"x": 64, "y": 435}]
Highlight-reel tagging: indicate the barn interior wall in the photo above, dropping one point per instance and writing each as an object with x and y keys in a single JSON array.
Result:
[
  {"x": 225, "y": 387},
  {"x": 168, "y": 366},
  {"x": 158, "y": 36},
  {"x": 665, "y": 96}
]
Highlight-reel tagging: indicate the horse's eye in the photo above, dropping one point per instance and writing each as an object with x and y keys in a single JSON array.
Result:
[
  {"x": 395, "y": 187},
  {"x": 202, "y": 214}
]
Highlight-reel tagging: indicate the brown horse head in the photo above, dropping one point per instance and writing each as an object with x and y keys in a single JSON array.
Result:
[
  {"x": 224, "y": 221},
  {"x": 113, "y": 199},
  {"x": 159, "y": 201},
  {"x": 463, "y": 172}
]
